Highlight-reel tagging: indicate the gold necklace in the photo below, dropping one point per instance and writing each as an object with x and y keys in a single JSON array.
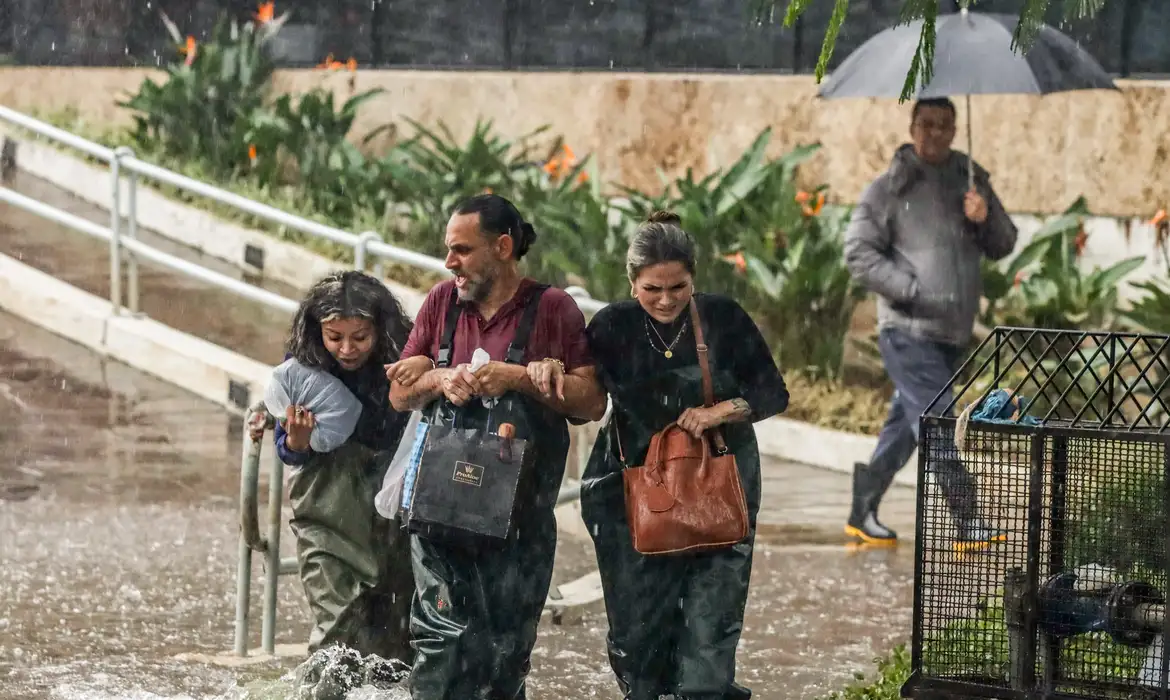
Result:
[{"x": 669, "y": 352}]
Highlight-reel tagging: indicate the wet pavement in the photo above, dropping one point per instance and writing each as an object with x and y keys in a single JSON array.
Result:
[
  {"x": 120, "y": 552},
  {"x": 118, "y": 520}
]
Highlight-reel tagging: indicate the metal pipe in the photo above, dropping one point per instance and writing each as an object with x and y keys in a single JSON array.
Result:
[
  {"x": 571, "y": 491},
  {"x": 360, "y": 248},
  {"x": 272, "y": 574},
  {"x": 222, "y": 281},
  {"x": 132, "y": 165},
  {"x": 51, "y": 132},
  {"x": 185, "y": 267},
  {"x": 279, "y": 216},
  {"x": 289, "y": 565},
  {"x": 408, "y": 257},
  {"x": 132, "y": 295},
  {"x": 115, "y": 226},
  {"x": 249, "y": 498},
  {"x": 248, "y": 468},
  {"x": 243, "y": 596},
  {"x": 584, "y": 300}
]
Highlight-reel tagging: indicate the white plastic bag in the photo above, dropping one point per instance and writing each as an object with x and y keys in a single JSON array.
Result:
[
  {"x": 479, "y": 358},
  {"x": 389, "y": 499},
  {"x": 334, "y": 407}
]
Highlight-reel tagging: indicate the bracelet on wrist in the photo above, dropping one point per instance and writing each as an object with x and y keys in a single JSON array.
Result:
[{"x": 557, "y": 362}]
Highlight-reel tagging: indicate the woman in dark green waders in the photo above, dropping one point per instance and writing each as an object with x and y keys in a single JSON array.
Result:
[
  {"x": 354, "y": 564},
  {"x": 674, "y": 621}
]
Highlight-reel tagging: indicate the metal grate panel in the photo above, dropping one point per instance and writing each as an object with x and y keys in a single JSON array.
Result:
[{"x": 1071, "y": 601}]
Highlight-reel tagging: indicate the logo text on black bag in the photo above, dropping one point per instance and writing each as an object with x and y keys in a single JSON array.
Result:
[{"x": 468, "y": 473}]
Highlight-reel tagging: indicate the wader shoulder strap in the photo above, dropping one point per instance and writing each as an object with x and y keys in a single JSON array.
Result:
[
  {"x": 519, "y": 343},
  {"x": 446, "y": 344}
]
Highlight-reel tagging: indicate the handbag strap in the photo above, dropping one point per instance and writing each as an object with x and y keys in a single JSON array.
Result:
[
  {"x": 708, "y": 388},
  {"x": 704, "y": 363},
  {"x": 705, "y": 370}
]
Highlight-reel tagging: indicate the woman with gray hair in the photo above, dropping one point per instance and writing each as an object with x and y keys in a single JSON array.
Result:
[{"x": 674, "y": 621}]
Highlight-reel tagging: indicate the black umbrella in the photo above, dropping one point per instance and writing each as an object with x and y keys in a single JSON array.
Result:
[{"x": 972, "y": 56}]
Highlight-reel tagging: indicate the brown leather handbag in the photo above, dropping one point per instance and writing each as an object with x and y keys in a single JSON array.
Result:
[{"x": 686, "y": 499}]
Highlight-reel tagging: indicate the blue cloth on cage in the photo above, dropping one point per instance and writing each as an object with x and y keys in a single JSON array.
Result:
[{"x": 1000, "y": 405}]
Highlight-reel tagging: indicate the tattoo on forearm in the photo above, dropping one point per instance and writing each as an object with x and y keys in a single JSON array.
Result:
[{"x": 740, "y": 409}]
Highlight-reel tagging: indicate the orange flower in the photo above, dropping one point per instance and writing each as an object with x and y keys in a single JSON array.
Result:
[
  {"x": 738, "y": 260},
  {"x": 252, "y": 153},
  {"x": 330, "y": 64},
  {"x": 266, "y": 12},
  {"x": 1020, "y": 277},
  {"x": 487, "y": 190},
  {"x": 189, "y": 50},
  {"x": 561, "y": 164},
  {"x": 804, "y": 198},
  {"x": 1159, "y": 218},
  {"x": 1080, "y": 240}
]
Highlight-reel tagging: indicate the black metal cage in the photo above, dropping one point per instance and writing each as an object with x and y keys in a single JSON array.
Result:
[{"x": 1058, "y": 444}]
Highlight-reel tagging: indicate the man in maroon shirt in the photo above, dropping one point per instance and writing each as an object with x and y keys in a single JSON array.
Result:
[{"x": 475, "y": 614}]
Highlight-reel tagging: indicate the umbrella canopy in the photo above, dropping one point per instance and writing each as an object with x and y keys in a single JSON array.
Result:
[{"x": 972, "y": 56}]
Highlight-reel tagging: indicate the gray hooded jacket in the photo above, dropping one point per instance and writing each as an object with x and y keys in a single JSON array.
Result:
[{"x": 910, "y": 243}]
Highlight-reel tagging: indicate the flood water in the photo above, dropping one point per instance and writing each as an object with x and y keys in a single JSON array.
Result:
[
  {"x": 118, "y": 537},
  {"x": 118, "y": 524}
]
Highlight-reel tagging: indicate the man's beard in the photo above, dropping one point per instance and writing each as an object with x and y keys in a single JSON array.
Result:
[{"x": 477, "y": 291}]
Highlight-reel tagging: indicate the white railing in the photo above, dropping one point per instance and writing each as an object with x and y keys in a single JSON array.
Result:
[{"x": 124, "y": 246}]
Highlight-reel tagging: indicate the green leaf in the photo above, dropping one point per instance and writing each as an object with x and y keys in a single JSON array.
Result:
[
  {"x": 922, "y": 65},
  {"x": 836, "y": 20},
  {"x": 1109, "y": 278}
]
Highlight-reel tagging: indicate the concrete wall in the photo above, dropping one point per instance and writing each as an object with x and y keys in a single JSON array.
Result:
[{"x": 1044, "y": 152}]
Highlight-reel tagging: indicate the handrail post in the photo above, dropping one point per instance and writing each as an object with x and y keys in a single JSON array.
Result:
[
  {"x": 361, "y": 249},
  {"x": 115, "y": 234},
  {"x": 132, "y": 296},
  {"x": 249, "y": 475},
  {"x": 272, "y": 573}
]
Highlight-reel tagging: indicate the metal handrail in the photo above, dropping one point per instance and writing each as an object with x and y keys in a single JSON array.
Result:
[
  {"x": 250, "y": 539},
  {"x": 123, "y": 161},
  {"x": 138, "y": 248}
]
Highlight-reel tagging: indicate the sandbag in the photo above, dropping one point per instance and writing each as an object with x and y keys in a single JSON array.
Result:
[{"x": 334, "y": 407}]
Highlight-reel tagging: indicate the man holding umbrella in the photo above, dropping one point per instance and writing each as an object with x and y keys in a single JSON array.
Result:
[
  {"x": 916, "y": 240},
  {"x": 921, "y": 228}
]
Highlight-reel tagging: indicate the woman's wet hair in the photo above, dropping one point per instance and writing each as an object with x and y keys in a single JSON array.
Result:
[
  {"x": 498, "y": 216},
  {"x": 660, "y": 239},
  {"x": 344, "y": 295}
]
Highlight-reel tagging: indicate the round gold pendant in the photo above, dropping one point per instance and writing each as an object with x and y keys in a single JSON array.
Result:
[{"x": 668, "y": 354}]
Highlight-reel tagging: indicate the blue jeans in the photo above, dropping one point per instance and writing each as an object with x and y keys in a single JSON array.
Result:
[{"x": 920, "y": 369}]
